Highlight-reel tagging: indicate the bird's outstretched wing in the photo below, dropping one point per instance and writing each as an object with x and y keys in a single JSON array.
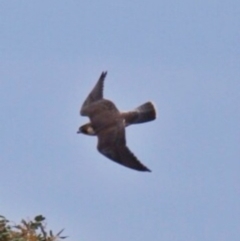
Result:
[
  {"x": 112, "y": 144},
  {"x": 95, "y": 95},
  {"x": 141, "y": 114}
]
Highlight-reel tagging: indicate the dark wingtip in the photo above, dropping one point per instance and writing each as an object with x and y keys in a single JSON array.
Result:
[
  {"x": 103, "y": 75},
  {"x": 147, "y": 170},
  {"x": 143, "y": 169}
]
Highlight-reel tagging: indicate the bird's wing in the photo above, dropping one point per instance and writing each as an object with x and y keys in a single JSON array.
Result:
[
  {"x": 141, "y": 114},
  {"x": 95, "y": 95},
  {"x": 112, "y": 144}
]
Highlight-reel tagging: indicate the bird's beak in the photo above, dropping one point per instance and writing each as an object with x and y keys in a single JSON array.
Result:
[{"x": 79, "y": 132}]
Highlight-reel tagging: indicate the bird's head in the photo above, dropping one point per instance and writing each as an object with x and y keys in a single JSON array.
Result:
[{"x": 86, "y": 129}]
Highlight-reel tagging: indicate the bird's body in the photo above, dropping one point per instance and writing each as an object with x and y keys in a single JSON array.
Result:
[
  {"x": 103, "y": 114},
  {"x": 108, "y": 123}
]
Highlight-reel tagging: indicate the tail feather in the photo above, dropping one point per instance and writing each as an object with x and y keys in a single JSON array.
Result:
[
  {"x": 146, "y": 112},
  {"x": 141, "y": 114}
]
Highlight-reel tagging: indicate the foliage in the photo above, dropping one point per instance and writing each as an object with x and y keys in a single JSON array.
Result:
[{"x": 27, "y": 230}]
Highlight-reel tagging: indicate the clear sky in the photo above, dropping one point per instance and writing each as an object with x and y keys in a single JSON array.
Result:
[{"x": 182, "y": 55}]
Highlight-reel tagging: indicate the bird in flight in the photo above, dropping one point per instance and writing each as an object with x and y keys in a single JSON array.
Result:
[{"x": 108, "y": 124}]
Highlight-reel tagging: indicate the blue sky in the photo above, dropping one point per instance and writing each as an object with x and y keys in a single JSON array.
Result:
[{"x": 184, "y": 56}]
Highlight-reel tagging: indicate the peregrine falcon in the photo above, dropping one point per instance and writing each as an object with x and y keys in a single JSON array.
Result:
[{"x": 108, "y": 124}]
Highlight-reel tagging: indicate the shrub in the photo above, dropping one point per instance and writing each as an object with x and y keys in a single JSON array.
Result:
[{"x": 27, "y": 230}]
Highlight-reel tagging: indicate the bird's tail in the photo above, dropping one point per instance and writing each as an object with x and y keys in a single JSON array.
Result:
[{"x": 143, "y": 113}]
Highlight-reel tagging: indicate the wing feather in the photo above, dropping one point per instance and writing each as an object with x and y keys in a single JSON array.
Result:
[
  {"x": 95, "y": 95},
  {"x": 112, "y": 144}
]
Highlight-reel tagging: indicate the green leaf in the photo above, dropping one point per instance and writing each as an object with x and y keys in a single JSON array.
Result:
[
  {"x": 39, "y": 218},
  {"x": 59, "y": 232},
  {"x": 25, "y": 223},
  {"x": 63, "y": 237},
  {"x": 51, "y": 233}
]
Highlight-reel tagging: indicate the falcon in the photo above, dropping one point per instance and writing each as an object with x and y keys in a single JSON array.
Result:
[{"x": 108, "y": 124}]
